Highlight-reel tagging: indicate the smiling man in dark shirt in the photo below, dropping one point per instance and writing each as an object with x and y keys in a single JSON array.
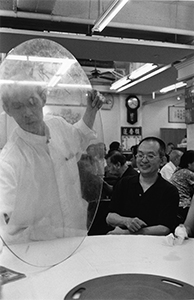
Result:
[{"x": 146, "y": 203}]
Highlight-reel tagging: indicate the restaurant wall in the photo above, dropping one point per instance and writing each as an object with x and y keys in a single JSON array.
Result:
[
  {"x": 155, "y": 115},
  {"x": 116, "y": 118},
  {"x": 111, "y": 121},
  {"x": 152, "y": 115}
]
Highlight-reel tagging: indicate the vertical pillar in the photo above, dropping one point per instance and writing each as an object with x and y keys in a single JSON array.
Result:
[{"x": 186, "y": 73}]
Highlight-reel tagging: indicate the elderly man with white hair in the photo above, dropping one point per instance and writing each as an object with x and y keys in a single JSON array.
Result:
[{"x": 169, "y": 168}]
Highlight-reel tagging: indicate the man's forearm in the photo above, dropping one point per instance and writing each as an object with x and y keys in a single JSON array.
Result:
[
  {"x": 115, "y": 219},
  {"x": 94, "y": 103},
  {"x": 89, "y": 117},
  {"x": 154, "y": 230}
]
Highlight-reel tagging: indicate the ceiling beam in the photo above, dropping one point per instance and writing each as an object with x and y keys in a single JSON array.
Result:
[{"x": 102, "y": 48}]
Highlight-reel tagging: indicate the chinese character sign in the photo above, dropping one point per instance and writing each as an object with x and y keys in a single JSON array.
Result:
[{"x": 130, "y": 136}]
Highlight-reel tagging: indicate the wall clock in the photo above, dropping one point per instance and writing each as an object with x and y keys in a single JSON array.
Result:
[{"x": 132, "y": 104}]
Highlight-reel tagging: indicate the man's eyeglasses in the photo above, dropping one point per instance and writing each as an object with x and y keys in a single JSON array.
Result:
[{"x": 147, "y": 156}]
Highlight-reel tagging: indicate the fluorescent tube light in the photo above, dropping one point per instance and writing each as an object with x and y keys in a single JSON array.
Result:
[
  {"x": 144, "y": 69},
  {"x": 173, "y": 87},
  {"x": 119, "y": 83},
  {"x": 108, "y": 15},
  {"x": 146, "y": 76},
  {"x": 67, "y": 63}
]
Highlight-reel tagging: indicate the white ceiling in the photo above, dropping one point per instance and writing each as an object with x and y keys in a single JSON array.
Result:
[{"x": 157, "y": 31}]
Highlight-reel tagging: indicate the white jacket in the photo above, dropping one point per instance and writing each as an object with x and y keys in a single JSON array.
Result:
[{"x": 39, "y": 182}]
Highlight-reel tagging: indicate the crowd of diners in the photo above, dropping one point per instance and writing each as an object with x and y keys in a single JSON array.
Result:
[{"x": 152, "y": 193}]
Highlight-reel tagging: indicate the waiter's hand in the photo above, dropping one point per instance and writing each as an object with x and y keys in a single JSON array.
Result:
[{"x": 95, "y": 99}]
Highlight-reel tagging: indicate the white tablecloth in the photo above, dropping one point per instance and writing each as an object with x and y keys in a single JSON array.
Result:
[{"x": 99, "y": 256}]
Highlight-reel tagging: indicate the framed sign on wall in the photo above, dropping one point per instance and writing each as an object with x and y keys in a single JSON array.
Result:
[
  {"x": 176, "y": 114},
  {"x": 130, "y": 136}
]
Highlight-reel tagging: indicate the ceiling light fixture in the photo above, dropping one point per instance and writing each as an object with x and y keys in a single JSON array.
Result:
[
  {"x": 144, "y": 77},
  {"x": 173, "y": 87},
  {"x": 119, "y": 83},
  {"x": 108, "y": 15},
  {"x": 67, "y": 63},
  {"x": 144, "y": 69}
]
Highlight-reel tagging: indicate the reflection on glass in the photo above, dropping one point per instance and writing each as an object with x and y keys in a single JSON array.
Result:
[
  {"x": 43, "y": 170},
  {"x": 91, "y": 169}
]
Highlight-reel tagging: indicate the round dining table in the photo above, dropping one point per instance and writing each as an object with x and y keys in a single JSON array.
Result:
[{"x": 96, "y": 256}]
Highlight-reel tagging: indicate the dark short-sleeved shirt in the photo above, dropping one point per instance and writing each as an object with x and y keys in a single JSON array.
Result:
[
  {"x": 129, "y": 172},
  {"x": 158, "y": 205}
]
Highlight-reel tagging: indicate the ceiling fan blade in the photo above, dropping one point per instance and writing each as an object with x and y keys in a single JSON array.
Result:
[
  {"x": 107, "y": 78},
  {"x": 106, "y": 73}
]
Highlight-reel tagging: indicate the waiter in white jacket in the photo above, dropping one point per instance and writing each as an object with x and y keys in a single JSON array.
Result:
[{"x": 40, "y": 197}]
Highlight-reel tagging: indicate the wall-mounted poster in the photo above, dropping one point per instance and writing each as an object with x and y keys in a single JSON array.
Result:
[
  {"x": 130, "y": 136},
  {"x": 176, "y": 114}
]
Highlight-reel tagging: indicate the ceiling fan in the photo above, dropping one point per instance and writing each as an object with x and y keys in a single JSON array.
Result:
[
  {"x": 101, "y": 70},
  {"x": 96, "y": 73}
]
